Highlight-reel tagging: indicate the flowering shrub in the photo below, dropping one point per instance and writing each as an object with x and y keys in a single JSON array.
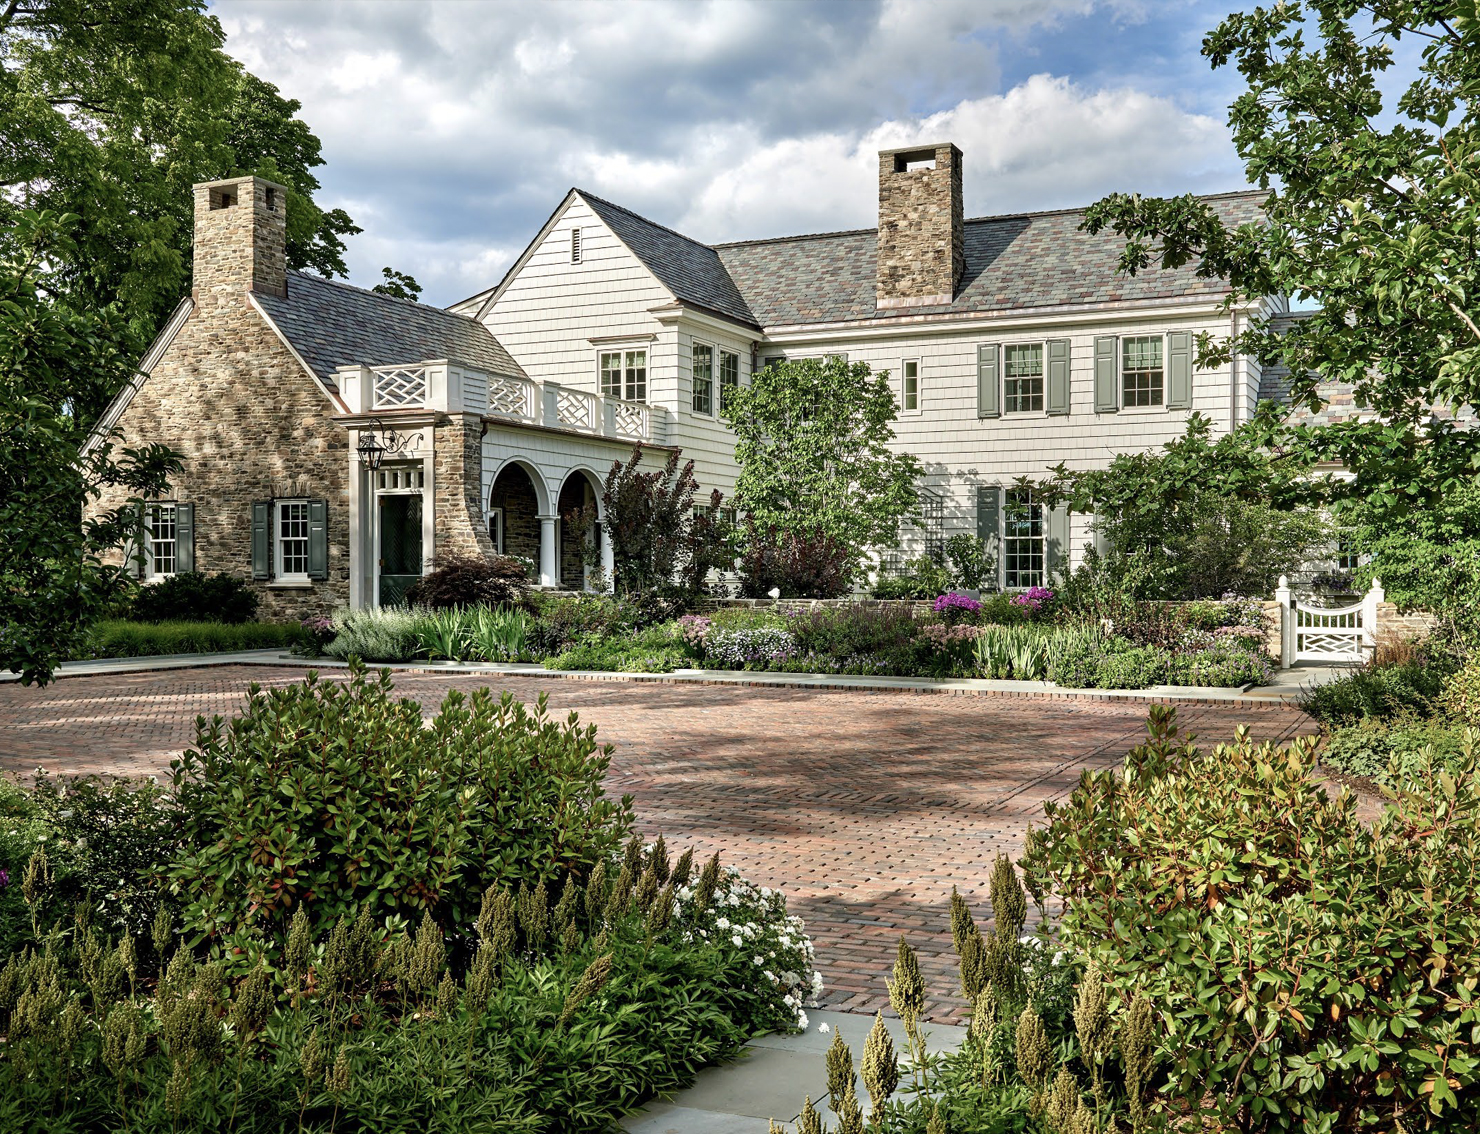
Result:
[
  {"x": 693, "y": 628},
  {"x": 944, "y": 637},
  {"x": 742, "y": 649},
  {"x": 752, "y": 921},
  {"x": 1034, "y": 600},
  {"x": 956, "y": 608}
]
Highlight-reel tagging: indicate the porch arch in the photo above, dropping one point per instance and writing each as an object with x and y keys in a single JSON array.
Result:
[
  {"x": 518, "y": 500},
  {"x": 579, "y": 489}
]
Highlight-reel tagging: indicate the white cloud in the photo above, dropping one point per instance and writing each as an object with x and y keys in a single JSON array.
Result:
[{"x": 452, "y": 129}]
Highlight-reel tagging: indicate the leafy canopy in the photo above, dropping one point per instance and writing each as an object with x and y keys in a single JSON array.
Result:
[
  {"x": 1372, "y": 219},
  {"x": 812, "y": 439}
]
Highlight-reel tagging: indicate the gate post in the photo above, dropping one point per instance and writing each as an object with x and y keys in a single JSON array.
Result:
[
  {"x": 1374, "y": 596},
  {"x": 1284, "y": 597}
]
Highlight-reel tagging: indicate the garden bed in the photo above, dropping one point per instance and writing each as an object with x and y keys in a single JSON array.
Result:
[{"x": 124, "y": 638}]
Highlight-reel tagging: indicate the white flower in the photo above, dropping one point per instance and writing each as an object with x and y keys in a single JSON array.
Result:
[
  {"x": 722, "y": 923},
  {"x": 738, "y": 940},
  {"x": 823, "y": 1028},
  {"x": 801, "y": 1019},
  {"x": 759, "y": 961}
]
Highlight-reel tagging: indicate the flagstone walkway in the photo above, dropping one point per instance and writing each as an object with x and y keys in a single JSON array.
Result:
[{"x": 864, "y": 807}]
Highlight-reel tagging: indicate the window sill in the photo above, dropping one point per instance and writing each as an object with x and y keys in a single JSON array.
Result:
[{"x": 290, "y": 585}]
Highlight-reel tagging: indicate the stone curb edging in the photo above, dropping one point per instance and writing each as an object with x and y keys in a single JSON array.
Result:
[{"x": 961, "y": 687}]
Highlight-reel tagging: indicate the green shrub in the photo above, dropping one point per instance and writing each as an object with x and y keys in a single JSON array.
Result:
[
  {"x": 1307, "y": 972},
  {"x": 193, "y": 596},
  {"x": 562, "y": 620},
  {"x": 852, "y": 630},
  {"x": 338, "y": 798},
  {"x": 1224, "y": 666},
  {"x": 386, "y": 634},
  {"x": 1133, "y": 668},
  {"x": 1461, "y": 695},
  {"x": 119, "y": 638},
  {"x": 924, "y": 577},
  {"x": 1392, "y": 752},
  {"x": 656, "y": 650},
  {"x": 1000, "y": 610},
  {"x": 1383, "y": 692}
]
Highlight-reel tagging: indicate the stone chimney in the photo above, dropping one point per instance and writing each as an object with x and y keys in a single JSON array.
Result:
[
  {"x": 241, "y": 233},
  {"x": 922, "y": 250}
]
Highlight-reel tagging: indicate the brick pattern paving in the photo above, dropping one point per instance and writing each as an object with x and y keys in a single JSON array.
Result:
[{"x": 865, "y": 808}]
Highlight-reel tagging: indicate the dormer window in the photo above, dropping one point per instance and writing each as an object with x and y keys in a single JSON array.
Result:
[{"x": 575, "y": 246}]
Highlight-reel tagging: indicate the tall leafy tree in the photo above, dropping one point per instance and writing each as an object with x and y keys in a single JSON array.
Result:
[
  {"x": 1372, "y": 218},
  {"x": 110, "y": 110},
  {"x": 812, "y": 439},
  {"x": 54, "y": 355}
]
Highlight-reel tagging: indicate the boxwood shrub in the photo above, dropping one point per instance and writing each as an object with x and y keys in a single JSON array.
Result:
[
  {"x": 1309, "y": 972},
  {"x": 121, "y": 638}
]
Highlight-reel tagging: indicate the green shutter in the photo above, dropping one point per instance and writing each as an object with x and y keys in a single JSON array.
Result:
[
  {"x": 318, "y": 539},
  {"x": 184, "y": 537},
  {"x": 133, "y": 546},
  {"x": 989, "y": 524},
  {"x": 1179, "y": 370},
  {"x": 988, "y": 388},
  {"x": 1107, "y": 386},
  {"x": 262, "y": 539},
  {"x": 1058, "y": 376},
  {"x": 1056, "y": 555}
]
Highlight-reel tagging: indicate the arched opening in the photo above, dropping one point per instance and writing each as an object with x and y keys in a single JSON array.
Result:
[
  {"x": 578, "y": 492},
  {"x": 514, "y": 514}
]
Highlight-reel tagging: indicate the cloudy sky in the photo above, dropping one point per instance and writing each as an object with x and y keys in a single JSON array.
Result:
[{"x": 452, "y": 129}]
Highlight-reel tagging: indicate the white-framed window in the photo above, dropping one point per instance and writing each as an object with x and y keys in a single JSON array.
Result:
[
  {"x": 1347, "y": 557},
  {"x": 496, "y": 528},
  {"x": 576, "y": 250},
  {"x": 162, "y": 553},
  {"x": 624, "y": 374},
  {"x": 1142, "y": 376},
  {"x": 1022, "y": 378},
  {"x": 909, "y": 385},
  {"x": 729, "y": 375},
  {"x": 703, "y": 376},
  {"x": 1024, "y": 532},
  {"x": 290, "y": 526}
]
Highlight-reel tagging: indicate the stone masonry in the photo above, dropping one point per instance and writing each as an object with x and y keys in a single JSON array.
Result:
[
  {"x": 922, "y": 250},
  {"x": 230, "y": 397},
  {"x": 458, "y": 487}
]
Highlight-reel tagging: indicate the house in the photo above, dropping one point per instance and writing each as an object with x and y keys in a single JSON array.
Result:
[{"x": 335, "y": 440}]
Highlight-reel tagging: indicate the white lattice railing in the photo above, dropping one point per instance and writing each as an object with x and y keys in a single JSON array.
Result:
[
  {"x": 630, "y": 419},
  {"x": 512, "y": 397},
  {"x": 399, "y": 385},
  {"x": 575, "y": 409}
]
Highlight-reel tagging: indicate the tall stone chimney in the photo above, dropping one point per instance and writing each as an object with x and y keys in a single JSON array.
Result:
[
  {"x": 241, "y": 230},
  {"x": 922, "y": 250}
]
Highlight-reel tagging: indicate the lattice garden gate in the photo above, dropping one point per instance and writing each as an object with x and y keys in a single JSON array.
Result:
[{"x": 1325, "y": 633}]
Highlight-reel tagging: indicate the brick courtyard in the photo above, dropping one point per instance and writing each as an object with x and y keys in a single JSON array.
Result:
[{"x": 865, "y": 808}]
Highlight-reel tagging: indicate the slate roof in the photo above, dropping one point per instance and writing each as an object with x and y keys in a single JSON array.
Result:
[
  {"x": 1012, "y": 262},
  {"x": 334, "y": 324},
  {"x": 692, "y": 271}
]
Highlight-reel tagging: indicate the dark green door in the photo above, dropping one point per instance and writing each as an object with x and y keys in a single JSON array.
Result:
[{"x": 400, "y": 547}]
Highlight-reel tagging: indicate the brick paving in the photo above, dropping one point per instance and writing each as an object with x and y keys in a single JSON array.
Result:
[{"x": 865, "y": 808}]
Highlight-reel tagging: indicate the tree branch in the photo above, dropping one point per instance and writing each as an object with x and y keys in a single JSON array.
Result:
[{"x": 1468, "y": 321}]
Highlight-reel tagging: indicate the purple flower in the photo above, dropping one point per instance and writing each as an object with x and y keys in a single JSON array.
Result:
[
  {"x": 4, "y": 879},
  {"x": 1034, "y": 599},
  {"x": 955, "y": 602}
]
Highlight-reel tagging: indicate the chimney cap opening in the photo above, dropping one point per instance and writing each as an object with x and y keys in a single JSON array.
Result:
[
  {"x": 222, "y": 199},
  {"x": 907, "y": 160}
]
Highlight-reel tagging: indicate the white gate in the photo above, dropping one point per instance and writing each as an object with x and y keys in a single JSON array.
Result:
[{"x": 1327, "y": 633}]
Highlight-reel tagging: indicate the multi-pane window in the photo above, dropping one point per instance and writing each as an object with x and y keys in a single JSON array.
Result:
[
  {"x": 159, "y": 519},
  {"x": 1022, "y": 540},
  {"x": 292, "y": 539},
  {"x": 729, "y": 375},
  {"x": 624, "y": 374},
  {"x": 1022, "y": 378},
  {"x": 703, "y": 378},
  {"x": 1141, "y": 371},
  {"x": 909, "y": 377},
  {"x": 1347, "y": 556}
]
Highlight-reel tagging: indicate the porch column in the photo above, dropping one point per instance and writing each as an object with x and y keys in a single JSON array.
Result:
[
  {"x": 608, "y": 561},
  {"x": 549, "y": 568}
]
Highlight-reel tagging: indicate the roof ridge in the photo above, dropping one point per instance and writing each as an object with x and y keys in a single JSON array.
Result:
[
  {"x": 301, "y": 274},
  {"x": 639, "y": 216},
  {"x": 966, "y": 220}
]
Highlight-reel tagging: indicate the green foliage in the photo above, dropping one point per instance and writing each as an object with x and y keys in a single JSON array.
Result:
[
  {"x": 119, "y": 638},
  {"x": 1370, "y": 218},
  {"x": 1461, "y": 696},
  {"x": 973, "y": 567},
  {"x": 924, "y": 577},
  {"x": 338, "y": 798},
  {"x": 194, "y": 596},
  {"x": 398, "y": 285},
  {"x": 813, "y": 441},
  {"x": 1393, "y": 752},
  {"x": 658, "y": 649},
  {"x": 1195, "y": 520},
  {"x": 1380, "y": 692},
  {"x": 1309, "y": 971},
  {"x": 795, "y": 564},
  {"x": 55, "y": 357},
  {"x": 389, "y": 634}
]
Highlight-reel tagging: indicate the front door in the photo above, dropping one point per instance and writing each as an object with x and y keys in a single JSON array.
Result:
[{"x": 400, "y": 547}]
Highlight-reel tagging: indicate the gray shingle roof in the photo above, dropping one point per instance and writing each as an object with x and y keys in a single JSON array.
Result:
[
  {"x": 1012, "y": 262},
  {"x": 690, "y": 270},
  {"x": 333, "y": 324}
]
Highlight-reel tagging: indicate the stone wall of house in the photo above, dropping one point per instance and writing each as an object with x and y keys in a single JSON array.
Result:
[
  {"x": 575, "y": 493},
  {"x": 922, "y": 250},
  {"x": 247, "y": 420},
  {"x": 457, "y": 457},
  {"x": 514, "y": 493}
]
